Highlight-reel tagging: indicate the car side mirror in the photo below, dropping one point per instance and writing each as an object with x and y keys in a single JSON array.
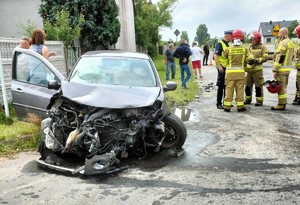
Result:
[
  {"x": 171, "y": 85},
  {"x": 53, "y": 84}
]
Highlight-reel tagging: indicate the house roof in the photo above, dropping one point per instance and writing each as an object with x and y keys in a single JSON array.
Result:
[{"x": 266, "y": 28}]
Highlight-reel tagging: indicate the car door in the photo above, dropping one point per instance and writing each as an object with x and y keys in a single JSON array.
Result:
[{"x": 31, "y": 73}]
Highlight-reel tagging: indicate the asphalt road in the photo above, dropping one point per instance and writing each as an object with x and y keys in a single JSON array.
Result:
[{"x": 230, "y": 158}]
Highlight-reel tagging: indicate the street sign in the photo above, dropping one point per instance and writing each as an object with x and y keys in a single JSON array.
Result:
[
  {"x": 176, "y": 32},
  {"x": 275, "y": 30}
]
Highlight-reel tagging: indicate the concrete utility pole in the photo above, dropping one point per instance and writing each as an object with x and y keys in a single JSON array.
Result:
[{"x": 3, "y": 88}]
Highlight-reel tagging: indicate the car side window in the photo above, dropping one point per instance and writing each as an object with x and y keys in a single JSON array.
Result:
[{"x": 32, "y": 70}]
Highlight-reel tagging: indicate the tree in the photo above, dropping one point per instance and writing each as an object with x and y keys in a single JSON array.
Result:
[
  {"x": 213, "y": 42},
  {"x": 292, "y": 27},
  {"x": 62, "y": 30},
  {"x": 247, "y": 38},
  {"x": 201, "y": 34},
  {"x": 101, "y": 27},
  {"x": 27, "y": 29},
  {"x": 149, "y": 18},
  {"x": 184, "y": 35}
]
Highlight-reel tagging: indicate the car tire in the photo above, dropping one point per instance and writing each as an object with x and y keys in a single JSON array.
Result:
[{"x": 175, "y": 132}]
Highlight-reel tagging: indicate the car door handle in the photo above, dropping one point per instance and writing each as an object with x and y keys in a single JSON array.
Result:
[{"x": 19, "y": 90}]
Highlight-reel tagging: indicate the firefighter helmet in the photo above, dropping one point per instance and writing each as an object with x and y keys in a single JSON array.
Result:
[
  {"x": 256, "y": 36},
  {"x": 273, "y": 86},
  {"x": 237, "y": 34},
  {"x": 297, "y": 31}
]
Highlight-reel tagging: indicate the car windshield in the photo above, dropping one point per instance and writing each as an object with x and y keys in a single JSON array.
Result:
[{"x": 123, "y": 71}]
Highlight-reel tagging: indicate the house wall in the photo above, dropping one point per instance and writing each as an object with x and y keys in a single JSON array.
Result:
[{"x": 14, "y": 13}]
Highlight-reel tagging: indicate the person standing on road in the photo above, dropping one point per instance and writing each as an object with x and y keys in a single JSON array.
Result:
[
  {"x": 238, "y": 56},
  {"x": 196, "y": 62},
  {"x": 282, "y": 66},
  {"x": 183, "y": 52},
  {"x": 169, "y": 62},
  {"x": 220, "y": 63},
  {"x": 297, "y": 66},
  {"x": 206, "y": 54},
  {"x": 254, "y": 75}
]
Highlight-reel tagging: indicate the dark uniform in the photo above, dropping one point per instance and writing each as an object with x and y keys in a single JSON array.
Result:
[{"x": 219, "y": 50}]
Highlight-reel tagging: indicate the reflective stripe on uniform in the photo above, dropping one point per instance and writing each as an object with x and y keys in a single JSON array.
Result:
[
  {"x": 284, "y": 68},
  {"x": 240, "y": 103},
  {"x": 259, "y": 99},
  {"x": 227, "y": 104},
  {"x": 283, "y": 96},
  {"x": 234, "y": 70},
  {"x": 257, "y": 68}
]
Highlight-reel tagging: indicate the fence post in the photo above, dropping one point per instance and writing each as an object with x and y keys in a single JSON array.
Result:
[{"x": 3, "y": 88}]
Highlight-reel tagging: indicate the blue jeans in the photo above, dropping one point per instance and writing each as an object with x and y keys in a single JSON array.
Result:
[
  {"x": 184, "y": 68},
  {"x": 170, "y": 67}
]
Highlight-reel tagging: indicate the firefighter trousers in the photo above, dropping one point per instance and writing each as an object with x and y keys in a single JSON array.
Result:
[
  {"x": 236, "y": 85},
  {"x": 257, "y": 80},
  {"x": 282, "y": 94}
]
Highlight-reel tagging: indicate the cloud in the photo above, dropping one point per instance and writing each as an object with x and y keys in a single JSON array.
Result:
[{"x": 220, "y": 15}]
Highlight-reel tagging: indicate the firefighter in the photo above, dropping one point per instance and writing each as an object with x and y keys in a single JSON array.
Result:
[
  {"x": 297, "y": 65},
  {"x": 254, "y": 75},
  {"x": 282, "y": 66},
  {"x": 238, "y": 57}
]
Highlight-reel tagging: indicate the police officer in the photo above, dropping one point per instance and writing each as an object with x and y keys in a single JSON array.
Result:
[
  {"x": 297, "y": 65},
  {"x": 255, "y": 74},
  {"x": 282, "y": 66},
  {"x": 220, "y": 63},
  {"x": 238, "y": 57}
]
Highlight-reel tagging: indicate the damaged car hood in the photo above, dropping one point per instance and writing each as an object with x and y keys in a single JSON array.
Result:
[{"x": 110, "y": 96}]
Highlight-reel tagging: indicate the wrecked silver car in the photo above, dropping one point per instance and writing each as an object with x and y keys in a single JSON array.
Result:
[{"x": 111, "y": 106}]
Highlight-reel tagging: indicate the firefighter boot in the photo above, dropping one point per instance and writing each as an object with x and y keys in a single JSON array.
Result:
[
  {"x": 278, "y": 107},
  {"x": 296, "y": 101},
  {"x": 247, "y": 101},
  {"x": 258, "y": 104},
  {"x": 242, "y": 109}
]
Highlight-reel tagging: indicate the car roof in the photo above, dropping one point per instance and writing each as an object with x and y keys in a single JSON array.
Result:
[{"x": 116, "y": 53}]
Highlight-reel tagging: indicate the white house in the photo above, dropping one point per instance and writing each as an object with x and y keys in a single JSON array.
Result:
[{"x": 267, "y": 29}]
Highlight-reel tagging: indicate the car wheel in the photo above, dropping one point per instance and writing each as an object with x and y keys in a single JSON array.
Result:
[{"x": 175, "y": 132}]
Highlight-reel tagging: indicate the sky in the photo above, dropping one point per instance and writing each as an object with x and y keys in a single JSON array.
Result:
[{"x": 221, "y": 15}]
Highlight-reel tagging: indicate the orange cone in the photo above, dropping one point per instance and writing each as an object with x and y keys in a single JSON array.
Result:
[{"x": 210, "y": 62}]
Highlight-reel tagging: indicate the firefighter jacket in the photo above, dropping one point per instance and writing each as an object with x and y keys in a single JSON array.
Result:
[
  {"x": 237, "y": 60},
  {"x": 260, "y": 54},
  {"x": 297, "y": 58},
  {"x": 283, "y": 57}
]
